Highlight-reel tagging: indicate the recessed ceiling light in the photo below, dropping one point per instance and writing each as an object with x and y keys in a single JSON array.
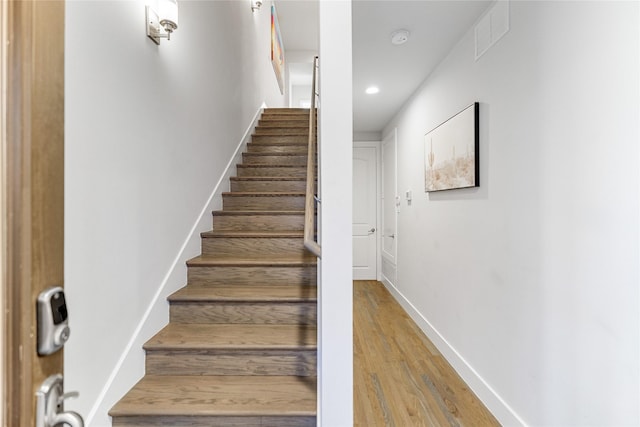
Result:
[
  {"x": 372, "y": 90},
  {"x": 399, "y": 37}
]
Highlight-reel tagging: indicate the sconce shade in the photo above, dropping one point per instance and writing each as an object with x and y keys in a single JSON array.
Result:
[
  {"x": 168, "y": 12},
  {"x": 162, "y": 23}
]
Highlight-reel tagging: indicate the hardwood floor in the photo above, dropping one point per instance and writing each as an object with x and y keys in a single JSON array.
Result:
[{"x": 400, "y": 378}]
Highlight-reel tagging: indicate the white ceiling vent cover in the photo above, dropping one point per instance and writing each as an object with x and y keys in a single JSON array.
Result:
[{"x": 493, "y": 25}]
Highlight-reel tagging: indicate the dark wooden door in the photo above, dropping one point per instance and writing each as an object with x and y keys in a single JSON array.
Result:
[{"x": 33, "y": 188}]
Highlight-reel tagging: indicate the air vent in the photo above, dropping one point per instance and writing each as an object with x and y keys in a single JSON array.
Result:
[{"x": 493, "y": 25}]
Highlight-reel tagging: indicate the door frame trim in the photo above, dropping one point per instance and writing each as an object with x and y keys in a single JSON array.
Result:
[
  {"x": 391, "y": 136},
  {"x": 16, "y": 222},
  {"x": 3, "y": 205},
  {"x": 377, "y": 145}
]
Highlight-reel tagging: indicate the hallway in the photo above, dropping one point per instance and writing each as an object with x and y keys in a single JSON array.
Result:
[{"x": 400, "y": 378}]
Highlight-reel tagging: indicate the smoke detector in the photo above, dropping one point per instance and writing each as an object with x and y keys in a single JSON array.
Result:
[{"x": 399, "y": 37}]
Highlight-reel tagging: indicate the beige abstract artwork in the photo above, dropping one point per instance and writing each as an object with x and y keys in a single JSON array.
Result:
[{"x": 451, "y": 158}]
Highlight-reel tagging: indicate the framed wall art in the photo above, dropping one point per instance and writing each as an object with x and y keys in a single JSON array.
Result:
[
  {"x": 451, "y": 152},
  {"x": 277, "y": 49}
]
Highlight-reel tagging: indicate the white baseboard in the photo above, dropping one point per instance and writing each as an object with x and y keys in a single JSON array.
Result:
[
  {"x": 130, "y": 366},
  {"x": 498, "y": 407}
]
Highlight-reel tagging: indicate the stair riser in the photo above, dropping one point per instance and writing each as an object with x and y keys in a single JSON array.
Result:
[
  {"x": 221, "y": 275},
  {"x": 276, "y": 362},
  {"x": 295, "y": 121},
  {"x": 238, "y": 312},
  {"x": 302, "y": 122},
  {"x": 297, "y": 114},
  {"x": 269, "y": 203},
  {"x": 285, "y": 115},
  {"x": 252, "y": 246},
  {"x": 282, "y": 131},
  {"x": 297, "y": 172},
  {"x": 285, "y": 110},
  {"x": 265, "y": 159},
  {"x": 273, "y": 148},
  {"x": 264, "y": 186},
  {"x": 212, "y": 421},
  {"x": 279, "y": 139},
  {"x": 259, "y": 222}
]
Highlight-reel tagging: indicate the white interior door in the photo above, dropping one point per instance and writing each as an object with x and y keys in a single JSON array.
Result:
[
  {"x": 365, "y": 241},
  {"x": 389, "y": 198}
]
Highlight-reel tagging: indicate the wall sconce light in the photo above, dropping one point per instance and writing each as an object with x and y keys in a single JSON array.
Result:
[
  {"x": 255, "y": 5},
  {"x": 162, "y": 23}
]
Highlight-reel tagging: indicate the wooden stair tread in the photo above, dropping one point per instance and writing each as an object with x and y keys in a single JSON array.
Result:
[
  {"x": 300, "y": 121},
  {"x": 262, "y": 193},
  {"x": 277, "y": 140},
  {"x": 276, "y": 154},
  {"x": 207, "y": 336},
  {"x": 286, "y": 131},
  {"x": 284, "y": 123},
  {"x": 245, "y": 293},
  {"x": 257, "y": 166},
  {"x": 219, "y": 396},
  {"x": 295, "y": 115},
  {"x": 255, "y": 234},
  {"x": 303, "y": 260},
  {"x": 290, "y": 144},
  {"x": 286, "y": 115},
  {"x": 267, "y": 178},
  {"x": 260, "y": 138},
  {"x": 282, "y": 129},
  {"x": 285, "y": 110},
  {"x": 261, "y": 212}
]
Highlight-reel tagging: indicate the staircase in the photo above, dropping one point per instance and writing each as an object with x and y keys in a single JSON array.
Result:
[{"x": 240, "y": 347}]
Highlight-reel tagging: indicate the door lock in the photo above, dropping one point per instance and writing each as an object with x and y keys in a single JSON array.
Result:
[{"x": 53, "y": 321}]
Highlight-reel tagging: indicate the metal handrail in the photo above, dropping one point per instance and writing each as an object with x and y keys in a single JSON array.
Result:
[{"x": 310, "y": 197}]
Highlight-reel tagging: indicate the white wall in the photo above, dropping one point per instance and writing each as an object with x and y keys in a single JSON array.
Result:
[
  {"x": 149, "y": 132},
  {"x": 299, "y": 75},
  {"x": 299, "y": 94},
  {"x": 366, "y": 136},
  {"x": 335, "y": 294},
  {"x": 254, "y": 45},
  {"x": 532, "y": 279}
]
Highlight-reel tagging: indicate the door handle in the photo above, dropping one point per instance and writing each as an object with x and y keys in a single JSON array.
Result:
[
  {"x": 70, "y": 418},
  {"x": 393, "y": 236},
  {"x": 373, "y": 230},
  {"x": 49, "y": 405}
]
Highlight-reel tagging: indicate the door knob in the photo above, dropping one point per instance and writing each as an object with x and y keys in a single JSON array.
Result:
[
  {"x": 373, "y": 230},
  {"x": 393, "y": 236}
]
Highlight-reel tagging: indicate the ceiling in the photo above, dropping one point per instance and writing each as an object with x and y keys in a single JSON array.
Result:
[
  {"x": 435, "y": 27},
  {"x": 298, "y": 20}
]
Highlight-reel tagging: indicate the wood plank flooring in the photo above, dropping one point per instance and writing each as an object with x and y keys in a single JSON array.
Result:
[{"x": 400, "y": 378}]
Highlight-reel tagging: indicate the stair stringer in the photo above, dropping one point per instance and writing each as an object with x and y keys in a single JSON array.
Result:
[{"x": 130, "y": 365}]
